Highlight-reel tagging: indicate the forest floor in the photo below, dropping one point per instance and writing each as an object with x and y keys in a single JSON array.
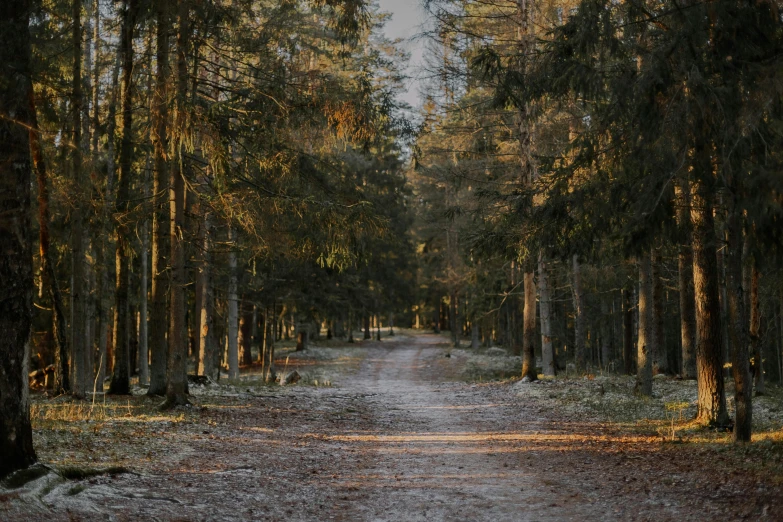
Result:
[{"x": 402, "y": 429}]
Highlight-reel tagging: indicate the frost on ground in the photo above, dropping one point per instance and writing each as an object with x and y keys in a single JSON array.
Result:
[{"x": 399, "y": 435}]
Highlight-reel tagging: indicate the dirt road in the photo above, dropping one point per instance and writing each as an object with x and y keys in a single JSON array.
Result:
[{"x": 397, "y": 440}]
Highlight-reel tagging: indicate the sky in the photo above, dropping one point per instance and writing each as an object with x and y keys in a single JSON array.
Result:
[{"x": 406, "y": 23}]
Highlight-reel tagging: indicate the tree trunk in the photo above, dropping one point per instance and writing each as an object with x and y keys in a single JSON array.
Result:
[
  {"x": 270, "y": 375},
  {"x": 579, "y": 315},
  {"x": 245, "y": 338},
  {"x": 367, "y": 334},
  {"x": 48, "y": 275},
  {"x": 645, "y": 339},
  {"x": 529, "y": 328},
  {"x": 120, "y": 380},
  {"x": 160, "y": 223},
  {"x": 206, "y": 304},
  {"x": 78, "y": 273},
  {"x": 709, "y": 347},
  {"x": 659, "y": 355},
  {"x": 453, "y": 326},
  {"x": 233, "y": 312},
  {"x": 755, "y": 330},
  {"x": 605, "y": 329},
  {"x": 144, "y": 372},
  {"x": 687, "y": 298},
  {"x": 16, "y": 268},
  {"x": 738, "y": 333},
  {"x": 545, "y": 308}
]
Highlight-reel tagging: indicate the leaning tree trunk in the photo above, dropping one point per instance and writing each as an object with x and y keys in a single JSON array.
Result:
[
  {"x": 16, "y": 267},
  {"x": 709, "y": 347},
  {"x": 160, "y": 224},
  {"x": 545, "y": 309},
  {"x": 645, "y": 339},
  {"x": 78, "y": 273},
  {"x": 59, "y": 326},
  {"x": 529, "y": 327},
  {"x": 738, "y": 334},
  {"x": 120, "y": 380}
]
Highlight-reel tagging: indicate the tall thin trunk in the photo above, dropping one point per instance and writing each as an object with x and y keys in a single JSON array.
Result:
[
  {"x": 233, "y": 351},
  {"x": 206, "y": 345},
  {"x": 755, "y": 330},
  {"x": 545, "y": 310},
  {"x": 176, "y": 372},
  {"x": 269, "y": 354},
  {"x": 16, "y": 242},
  {"x": 738, "y": 332},
  {"x": 659, "y": 355},
  {"x": 687, "y": 298},
  {"x": 120, "y": 380},
  {"x": 245, "y": 337},
  {"x": 644, "y": 353},
  {"x": 529, "y": 328},
  {"x": 160, "y": 223},
  {"x": 367, "y": 334},
  {"x": 709, "y": 347},
  {"x": 59, "y": 326},
  {"x": 144, "y": 371},
  {"x": 580, "y": 352},
  {"x": 605, "y": 328},
  {"x": 78, "y": 273}
]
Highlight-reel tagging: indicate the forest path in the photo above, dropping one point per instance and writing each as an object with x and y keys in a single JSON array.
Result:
[
  {"x": 401, "y": 439},
  {"x": 442, "y": 450}
]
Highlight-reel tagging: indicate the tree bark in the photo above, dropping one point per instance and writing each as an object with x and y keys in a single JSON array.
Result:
[
  {"x": 545, "y": 308},
  {"x": 709, "y": 347},
  {"x": 245, "y": 337},
  {"x": 755, "y": 330},
  {"x": 644, "y": 342},
  {"x": 160, "y": 223},
  {"x": 233, "y": 350},
  {"x": 738, "y": 333},
  {"x": 120, "y": 380},
  {"x": 529, "y": 328},
  {"x": 687, "y": 298},
  {"x": 16, "y": 267},
  {"x": 659, "y": 355},
  {"x": 605, "y": 328},
  {"x": 206, "y": 345},
  {"x": 78, "y": 273}
]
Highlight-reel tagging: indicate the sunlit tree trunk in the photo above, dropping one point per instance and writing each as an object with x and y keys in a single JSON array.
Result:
[
  {"x": 16, "y": 268},
  {"x": 245, "y": 337},
  {"x": 709, "y": 347},
  {"x": 644, "y": 352},
  {"x": 160, "y": 219}
]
